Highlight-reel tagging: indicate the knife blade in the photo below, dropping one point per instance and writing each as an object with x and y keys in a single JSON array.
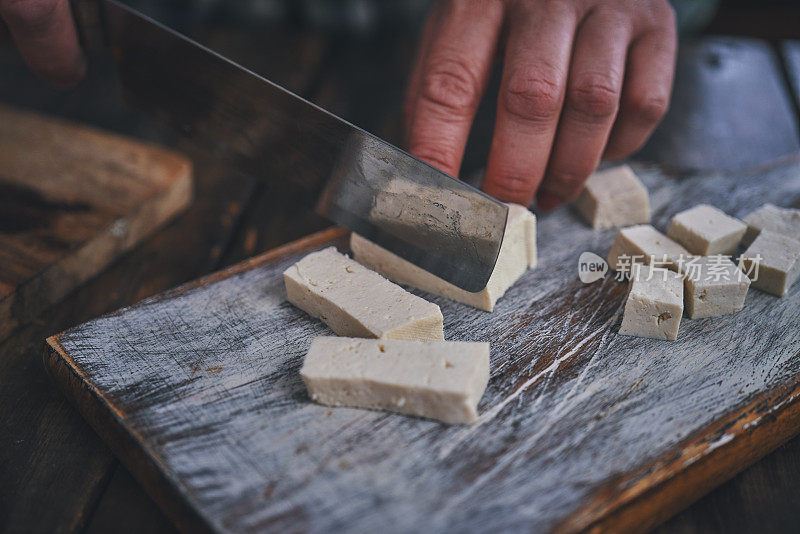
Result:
[{"x": 300, "y": 150}]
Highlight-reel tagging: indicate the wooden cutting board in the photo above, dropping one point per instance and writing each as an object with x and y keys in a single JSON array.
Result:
[
  {"x": 198, "y": 392},
  {"x": 72, "y": 199}
]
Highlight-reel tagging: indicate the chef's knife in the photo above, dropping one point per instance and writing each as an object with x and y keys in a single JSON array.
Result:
[{"x": 300, "y": 150}]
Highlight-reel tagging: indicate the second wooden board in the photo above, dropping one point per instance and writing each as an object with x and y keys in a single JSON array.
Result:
[
  {"x": 198, "y": 391},
  {"x": 73, "y": 199}
]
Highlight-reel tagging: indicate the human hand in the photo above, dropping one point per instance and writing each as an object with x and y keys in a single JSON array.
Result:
[
  {"x": 581, "y": 79},
  {"x": 44, "y": 32}
]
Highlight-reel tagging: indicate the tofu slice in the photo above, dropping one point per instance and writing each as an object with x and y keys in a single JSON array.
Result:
[
  {"x": 354, "y": 301},
  {"x": 784, "y": 221},
  {"x": 643, "y": 244},
  {"x": 705, "y": 230},
  {"x": 772, "y": 262},
  {"x": 517, "y": 254},
  {"x": 441, "y": 380},
  {"x": 655, "y": 304},
  {"x": 614, "y": 197},
  {"x": 713, "y": 285}
]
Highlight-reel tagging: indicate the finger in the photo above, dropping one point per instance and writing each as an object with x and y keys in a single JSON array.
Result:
[
  {"x": 645, "y": 92},
  {"x": 426, "y": 37},
  {"x": 45, "y": 34},
  {"x": 5, "y": 38},
  {"x": 531, "y": 94},
  {"x": 452, "y": 80},
  {"x": 590, "y": 106}
]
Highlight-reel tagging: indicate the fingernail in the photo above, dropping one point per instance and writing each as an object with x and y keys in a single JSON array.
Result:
[{"x": 548, "y": 201}]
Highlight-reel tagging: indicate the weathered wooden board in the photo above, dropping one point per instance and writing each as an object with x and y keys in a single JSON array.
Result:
[
  {"x": 197, "y": 390},
  {"x": 72, "y": 199}
]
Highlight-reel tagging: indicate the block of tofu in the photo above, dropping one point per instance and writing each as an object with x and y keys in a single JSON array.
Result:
[
  {"x": 713, "y": 285},
  {"x": 704, "y": 230},
  {"x": 784, "y": 221},
  {"x": 643, "y": 244},
  {"x": 354, "y": 301},
  {"x": 614, "y": 197},
  {"x": 655, "y": 304},
  {"x": 517, "y": 254},
  {"x": 772, "y": 262},
  {"x": 441, "y": 380}
]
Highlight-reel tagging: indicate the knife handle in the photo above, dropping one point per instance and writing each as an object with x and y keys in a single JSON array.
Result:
[{"x": 90, "y": 22}]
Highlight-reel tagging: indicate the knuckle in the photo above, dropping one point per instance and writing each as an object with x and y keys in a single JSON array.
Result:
[
  {"x": 568, "y": 182},
  {"x": 595, "y": 97},
  {"x": 31, "y": 15},
  {"x": 658, "y": 14},
  {"x": 452, "y": 85},
  {"x": 439, "y": 156},
  {"x": 664, "y": 13},
  {"x": 648, "y": 107},
  {"x": 513, "y": 188},
  {"x": 532, "y": 95}
]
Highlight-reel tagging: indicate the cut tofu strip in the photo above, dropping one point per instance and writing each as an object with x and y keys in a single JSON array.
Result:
[
  {"x": 441, "y": 380},
  {"x": 354, "y": 301},
  {"x": 517, "y": 254}
]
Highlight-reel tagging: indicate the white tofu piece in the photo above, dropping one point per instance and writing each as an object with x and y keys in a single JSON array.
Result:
[
  {"x": 614, "y": 197},
  {"x": 704, "y": 230},
  {"x": 441, "y": 380},
  {"x": 784, "y": 221},
  {"x": 643, "y": 244},
  {"x": 655, "y": 304},
  {"x": 354, "y": 301},
  {"x": 713, "y": 285},
  {"x": 772, "y": 262},
  {"x": 517, "y": 254}
]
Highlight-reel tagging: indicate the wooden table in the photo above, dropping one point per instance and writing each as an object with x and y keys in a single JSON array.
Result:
[{"x": 57, "y": 475}]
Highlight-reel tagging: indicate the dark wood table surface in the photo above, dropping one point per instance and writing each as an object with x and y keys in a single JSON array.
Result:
[{"x": 735, "y": 106}]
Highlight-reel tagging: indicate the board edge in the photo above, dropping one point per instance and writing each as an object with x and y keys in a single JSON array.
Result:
[
  {"x": 107, "y": 422},
  {"x": 641, "y": 501}
]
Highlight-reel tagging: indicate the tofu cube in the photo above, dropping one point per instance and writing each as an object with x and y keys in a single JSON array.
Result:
[
  {"x": 655, "y": 304},
  {"x": 441, "y": 380},
  {"x": 772, "y": 262},
  {"x": 782, "y": 221},
  {"x": 354, "y": 301},
  {"x": 643, "y": 244},
  {"x": 704, "y": 230},
  {"x": 614, "y": 197},
  {"x": 713, "y": 285}
]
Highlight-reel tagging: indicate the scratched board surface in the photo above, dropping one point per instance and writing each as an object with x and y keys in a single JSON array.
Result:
[{"x": 578, "y": 424}]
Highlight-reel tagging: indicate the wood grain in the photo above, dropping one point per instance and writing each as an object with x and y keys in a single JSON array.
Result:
[
  {"x": 197, "y": 391},
  {"x": 72, "y": 200}
]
